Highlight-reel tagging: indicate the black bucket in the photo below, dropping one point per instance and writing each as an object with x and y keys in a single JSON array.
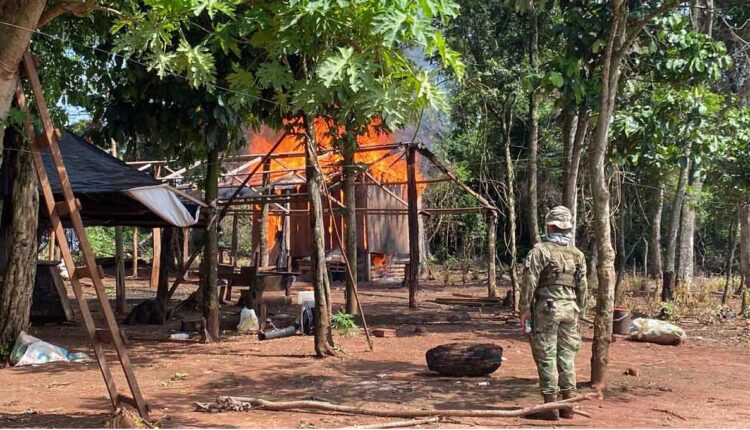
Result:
[{"x": 621, "y": 321}]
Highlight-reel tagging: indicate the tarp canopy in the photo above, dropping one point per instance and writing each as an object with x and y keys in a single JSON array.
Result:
[{"x": 112, "y": 193}]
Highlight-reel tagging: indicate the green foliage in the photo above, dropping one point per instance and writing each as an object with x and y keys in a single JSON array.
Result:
[
  {"x": 102, "y": 240},
  {"x": 669, "y": 311},
  {"x": 344, "y": 60},
  {"x": 344, "y": 323}
]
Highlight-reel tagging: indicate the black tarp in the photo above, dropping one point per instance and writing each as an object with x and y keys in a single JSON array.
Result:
[{"x": 98, "y": 180}]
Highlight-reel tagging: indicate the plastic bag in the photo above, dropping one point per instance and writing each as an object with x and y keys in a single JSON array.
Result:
[
  {"x": 307, "y": 319},
  {"x": 248, "y": 321},
  {"x": 29, "y": 350},
  {"x": 656, "y": 331}
]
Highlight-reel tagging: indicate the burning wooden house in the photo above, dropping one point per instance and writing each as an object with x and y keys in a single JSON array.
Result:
[{"x": 277, "y": 200}]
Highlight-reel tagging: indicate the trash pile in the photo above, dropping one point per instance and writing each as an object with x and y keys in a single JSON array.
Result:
[{"x": 31, "y": 351}]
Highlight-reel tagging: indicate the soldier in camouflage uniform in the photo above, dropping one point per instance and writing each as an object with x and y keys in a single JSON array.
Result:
[{"x": 552, "y": 297}]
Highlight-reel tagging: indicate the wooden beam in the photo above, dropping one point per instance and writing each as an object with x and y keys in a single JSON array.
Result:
[
  {"x": 418, "y": 182},
  {"x": 301, "y": 154},
  {"x": 156, "y": 257}
]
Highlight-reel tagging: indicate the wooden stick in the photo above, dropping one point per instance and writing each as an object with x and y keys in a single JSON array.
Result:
[
  {"x": 403, "y": 413},
  {"x": 397, "y": 424}
]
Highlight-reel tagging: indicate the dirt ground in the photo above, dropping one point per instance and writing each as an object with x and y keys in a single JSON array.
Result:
[{"x": 701, "y": 383}]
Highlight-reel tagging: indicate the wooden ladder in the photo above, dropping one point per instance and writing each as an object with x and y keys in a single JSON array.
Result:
[{"x": 69, "y": 207}]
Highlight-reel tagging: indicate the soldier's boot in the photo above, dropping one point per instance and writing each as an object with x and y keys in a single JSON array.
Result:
[
  {"x": 552, "y": 415},
  {"x": 567, "y": 413}
]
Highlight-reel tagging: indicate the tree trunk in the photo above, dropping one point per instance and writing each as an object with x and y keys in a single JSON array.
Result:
[
  {"x": 492, "y": 254},
  {"x": 14, "y": 39},
  {"x": 533, "y": 204},
  {"x": 655, "y": 245},
  {"x": 667, "y": 291},
  {"x": 235, "y": 238},
  {"x": 745, "y": 254},
  {"x": 167, "y": 259},
  {"x": 19, "y": 238},
  {"x": 209, "y": 293},
  {"x": 622, "y": 258},
  {"x": 510, "y": 202},
  {"x": 573, "y": 163},
  {"x": 323, "y": 334},
  {"x": 263, "y": 224},
  {"x": 412, "y": 276},
  {"x": 568, "y": 128},
  {"x": 350, "y": 174},
  {"x": 685, "y": 266},
  {"x": 612, "y": 60},
  {"x": 729, "y": 264}
]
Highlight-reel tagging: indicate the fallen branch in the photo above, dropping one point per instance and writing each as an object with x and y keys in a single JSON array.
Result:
[
  {"x": 230, "y": 403},
  {"x": 396, "y": 424},
  {"x": 668, "y": 412}
]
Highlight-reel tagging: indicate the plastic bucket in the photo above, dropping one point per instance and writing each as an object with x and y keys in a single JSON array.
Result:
[
  {"x": 621, "y": 321},
  {"x": 305, "y": 296}
]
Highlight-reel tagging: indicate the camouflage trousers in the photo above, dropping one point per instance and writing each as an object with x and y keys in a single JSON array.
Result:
[{"x": 554, "y": 343}]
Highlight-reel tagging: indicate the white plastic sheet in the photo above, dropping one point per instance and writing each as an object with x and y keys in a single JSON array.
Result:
[{"x": 164, "y": 203}]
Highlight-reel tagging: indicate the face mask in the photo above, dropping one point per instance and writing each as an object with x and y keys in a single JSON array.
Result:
[{"x": 560, "y": 238}]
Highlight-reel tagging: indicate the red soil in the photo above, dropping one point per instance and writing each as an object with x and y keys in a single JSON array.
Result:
[{"x": 702, "y": 383}]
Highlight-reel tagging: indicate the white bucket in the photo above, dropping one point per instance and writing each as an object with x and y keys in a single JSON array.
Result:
[{"x": 305, "y": 296}]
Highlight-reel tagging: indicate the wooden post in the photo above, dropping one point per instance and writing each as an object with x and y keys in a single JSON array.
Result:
[
  {"x": 491, "y": 254},
  {"x": 185, "y": 249},
  {"x": 135, "y": 252},
  {"x": 156, "y": 258},
  {"x": 412, "y": 277},
  {"x": 367, "y": 262},
  {"x": 52, "y": 245},
  {"x": 119, "y": 255},
  {"x": 235, "y": 239},
  {"x": 263, "y": 225},
  {"x": 288, "y": 236}
]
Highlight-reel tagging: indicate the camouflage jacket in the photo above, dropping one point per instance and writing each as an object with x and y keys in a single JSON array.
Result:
[{"x": 549, "y": 274}]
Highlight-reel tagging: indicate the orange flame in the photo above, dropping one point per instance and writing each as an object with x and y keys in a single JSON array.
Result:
[{"x": 383, "y": 166}]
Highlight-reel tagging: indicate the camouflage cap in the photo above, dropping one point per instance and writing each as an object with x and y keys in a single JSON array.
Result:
[{"x": 560, "y": 217}]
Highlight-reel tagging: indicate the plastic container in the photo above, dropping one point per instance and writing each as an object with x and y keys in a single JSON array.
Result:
[
  {"x": 179, "y": 336},
  {"x": 248, "y": 321},
  {"x": 305, "y": 296},
  {"x": 621, "y": 320}
]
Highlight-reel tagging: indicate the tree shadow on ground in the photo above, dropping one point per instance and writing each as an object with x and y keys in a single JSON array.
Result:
[{"x": 31, "y": 419}]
